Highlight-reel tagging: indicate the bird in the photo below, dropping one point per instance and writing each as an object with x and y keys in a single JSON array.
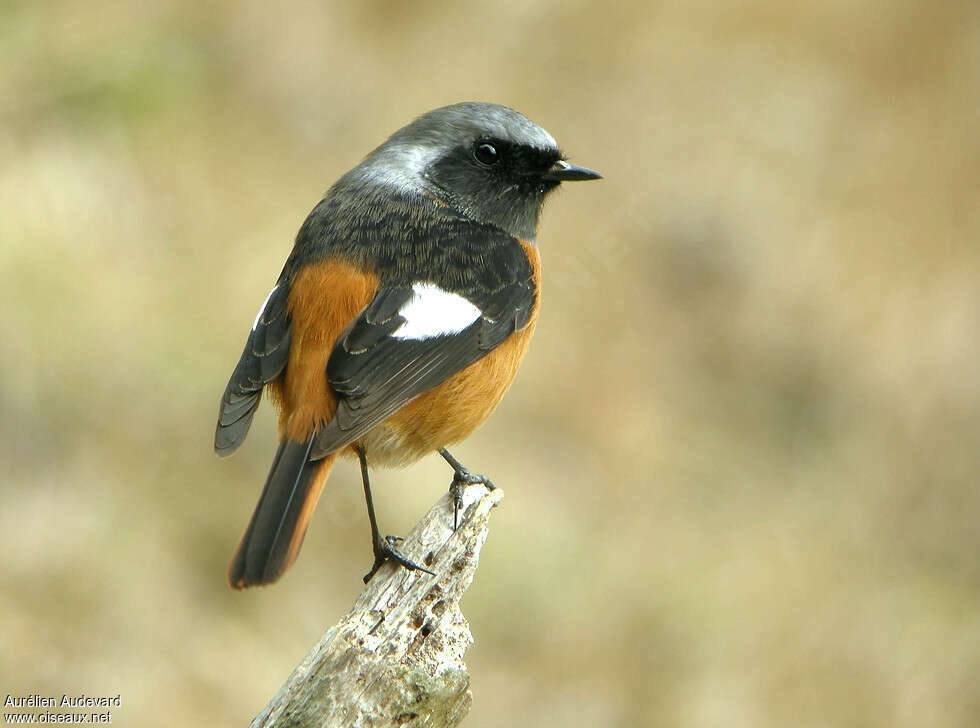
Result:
[{"x": 398, "y": 321}]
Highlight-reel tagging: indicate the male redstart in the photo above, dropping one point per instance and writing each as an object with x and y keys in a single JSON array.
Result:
[{"x": 399, "y": 319}]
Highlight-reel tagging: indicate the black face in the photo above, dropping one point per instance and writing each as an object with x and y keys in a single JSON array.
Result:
[{"x": 496, "y": 181}]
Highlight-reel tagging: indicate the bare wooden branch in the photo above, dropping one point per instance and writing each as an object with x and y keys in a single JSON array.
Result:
[{"x": 396, "y": 659}]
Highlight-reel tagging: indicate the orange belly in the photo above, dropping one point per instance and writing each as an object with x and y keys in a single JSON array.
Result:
[{"x": 451, "y": 411}]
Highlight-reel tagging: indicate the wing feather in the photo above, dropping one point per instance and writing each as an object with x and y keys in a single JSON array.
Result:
[
  {"x": 375, "y": 374},
  {"x": 263, "y": 359}
]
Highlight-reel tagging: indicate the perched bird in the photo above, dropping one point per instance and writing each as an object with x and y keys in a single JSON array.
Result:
[{"x": 399, "y": 319}]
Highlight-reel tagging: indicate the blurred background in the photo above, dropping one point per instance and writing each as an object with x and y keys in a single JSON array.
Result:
[{"x": 740, "y": 460}]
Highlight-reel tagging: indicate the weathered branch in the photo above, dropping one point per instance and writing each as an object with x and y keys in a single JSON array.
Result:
[{"x": 397, "y": 657}]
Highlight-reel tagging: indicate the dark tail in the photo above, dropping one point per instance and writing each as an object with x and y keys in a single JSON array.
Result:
[{"x": 274, "y": 535}]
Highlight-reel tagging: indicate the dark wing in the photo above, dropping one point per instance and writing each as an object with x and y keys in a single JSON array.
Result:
[
  {"x": 263, "y": 359},
  {"x": 376, "y": 373}
]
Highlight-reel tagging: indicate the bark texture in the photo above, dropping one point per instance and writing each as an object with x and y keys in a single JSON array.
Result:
[{"x": 396, "y": 659}]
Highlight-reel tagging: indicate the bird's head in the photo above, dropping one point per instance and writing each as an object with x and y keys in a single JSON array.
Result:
[{"x": 488, "y": 162}]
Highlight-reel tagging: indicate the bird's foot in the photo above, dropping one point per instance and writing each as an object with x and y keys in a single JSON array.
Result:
[
  {"x": 462, "y": 478},
  {"x": 384, "y": 549}
]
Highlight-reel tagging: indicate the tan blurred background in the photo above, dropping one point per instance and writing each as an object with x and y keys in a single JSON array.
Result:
[{"x": 740, "y": 460}]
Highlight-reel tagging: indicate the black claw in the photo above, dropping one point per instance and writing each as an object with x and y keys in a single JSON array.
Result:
[
  {"x": 462, "y": 478},
  {"x": 457, "y": 495},
  {"x": 384, "y": 550}
]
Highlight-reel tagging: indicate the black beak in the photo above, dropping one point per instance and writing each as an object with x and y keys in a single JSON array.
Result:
[{"x": 562, "y": 171}]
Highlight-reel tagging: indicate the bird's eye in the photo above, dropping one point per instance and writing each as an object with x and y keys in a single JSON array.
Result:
[{"x": 486, "y": 153}]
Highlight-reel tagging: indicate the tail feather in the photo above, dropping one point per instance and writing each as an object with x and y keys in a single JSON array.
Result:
[{"x": 275, "y": 533}]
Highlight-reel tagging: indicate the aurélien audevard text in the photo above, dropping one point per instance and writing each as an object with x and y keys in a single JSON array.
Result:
[{"x": 35, "y": 700}]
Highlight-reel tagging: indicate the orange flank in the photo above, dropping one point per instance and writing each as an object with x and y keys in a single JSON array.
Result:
[{"x": 323, "y": 298}]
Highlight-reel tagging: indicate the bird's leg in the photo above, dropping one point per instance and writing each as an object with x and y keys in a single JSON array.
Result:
[
  {"x": 461, "y": 478},
  {"x": 384, "y": 548}
]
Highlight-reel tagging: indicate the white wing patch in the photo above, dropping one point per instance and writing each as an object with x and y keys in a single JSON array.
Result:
[
  {"x": 255, "y": 324},
  {"x": 431, "y": 312}
]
